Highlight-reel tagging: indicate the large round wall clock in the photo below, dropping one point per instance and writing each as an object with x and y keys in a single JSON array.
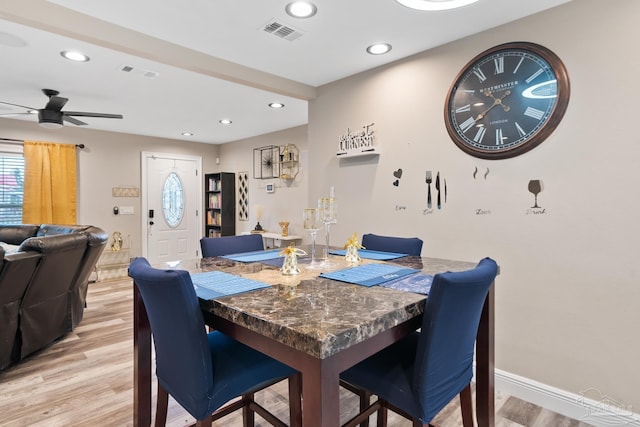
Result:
[{"x": 507, "y": 100}]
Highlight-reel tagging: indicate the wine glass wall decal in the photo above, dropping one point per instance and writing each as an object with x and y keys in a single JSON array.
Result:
[{"x": 535, "y": 187}]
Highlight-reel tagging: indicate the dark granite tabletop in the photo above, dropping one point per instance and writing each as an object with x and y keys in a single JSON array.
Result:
[{"x": 318, "y": 316}]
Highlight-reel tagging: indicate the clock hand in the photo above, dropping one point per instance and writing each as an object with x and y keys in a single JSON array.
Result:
[{"x": 496, "y": 101}]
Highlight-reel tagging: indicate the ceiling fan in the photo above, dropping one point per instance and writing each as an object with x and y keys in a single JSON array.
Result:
[{"x": 51, "y": 116}]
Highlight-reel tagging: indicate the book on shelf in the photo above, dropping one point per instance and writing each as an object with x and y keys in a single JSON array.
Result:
[
  {"x": 215, "y": 201},
  {"x": 214, "y": 184}
]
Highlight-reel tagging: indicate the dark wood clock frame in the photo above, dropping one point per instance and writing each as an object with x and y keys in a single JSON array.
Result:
[{"x": 538, "y": 120}]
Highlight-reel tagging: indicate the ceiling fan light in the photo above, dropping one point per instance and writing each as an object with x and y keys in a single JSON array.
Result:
[
  {"x": 50, "y": 119},
  {"x": 434, "y": 5},
  {"x": 50, "y": 125}
]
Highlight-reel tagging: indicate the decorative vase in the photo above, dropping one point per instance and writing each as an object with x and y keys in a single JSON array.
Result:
[
  {"x": 290, "y": 263},
  {"x": 285, "y": 228},
  {"x": 117, "y": 241},
  {"x": 352, "y": 255}
]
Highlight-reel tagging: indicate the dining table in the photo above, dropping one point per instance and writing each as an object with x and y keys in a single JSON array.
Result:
[{"x": 317, "y": 325}]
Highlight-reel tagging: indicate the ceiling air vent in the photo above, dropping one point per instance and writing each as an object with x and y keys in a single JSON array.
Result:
[
  {"x": 139, "y": 71},
  {"x": 281, "y": 30}
]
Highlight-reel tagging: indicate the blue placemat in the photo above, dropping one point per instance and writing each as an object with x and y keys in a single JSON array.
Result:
[
  {"x": 255, "y": 256},
  {"x": 368, "y": 254},
  {"x": 416, "y": 283},
  {"x": 369, "y": 274},
  {"x": 214, "y": 284}
]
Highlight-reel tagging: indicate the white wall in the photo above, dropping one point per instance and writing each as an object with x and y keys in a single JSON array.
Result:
[
  {"x": 109, "y": 160},
  {"x": 567, "y": 296},
  {"x": 289, "y": 198}
]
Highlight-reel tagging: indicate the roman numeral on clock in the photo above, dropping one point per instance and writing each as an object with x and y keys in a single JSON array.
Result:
[
  {"x": 478, "y": 72},
  {"x": 467, "y": 124},
  {"x": 534, "y": 113},
  {"x": 499, "y": 64}
]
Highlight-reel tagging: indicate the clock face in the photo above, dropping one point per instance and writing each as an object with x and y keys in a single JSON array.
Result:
[{"x": 507, "y": 100}]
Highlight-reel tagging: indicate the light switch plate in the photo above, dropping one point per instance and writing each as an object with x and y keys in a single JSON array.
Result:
[{"x": 126, "y": 210}]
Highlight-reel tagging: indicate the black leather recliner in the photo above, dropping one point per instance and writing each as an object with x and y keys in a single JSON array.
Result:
[
  {"x": 44, "y": 312},
  {"x": 43, "y": 285},
  {"x": 15, "y": 274}
]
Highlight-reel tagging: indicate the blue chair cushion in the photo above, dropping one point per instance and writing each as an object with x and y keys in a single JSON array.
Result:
[
  {"x": 393, "y": 368},
  {"x": 401, "y": 245},
  {"x": 219, "y": 246}
]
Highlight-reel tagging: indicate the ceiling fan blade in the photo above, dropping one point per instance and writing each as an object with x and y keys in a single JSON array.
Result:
[
  {"x": 18, "y": 105},
  {"x": 72, "y": 120},
  {"x": 85, "y": 114},
  {"x": 14, "y": 114},
  {"x": 56, "y": 103}
]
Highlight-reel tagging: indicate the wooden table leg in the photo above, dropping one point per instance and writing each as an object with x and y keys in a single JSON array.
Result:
[
  {"x": 320, "y": 395},
  {"x": 141, "y": 362},
  {"x": 485, "y": 378}
]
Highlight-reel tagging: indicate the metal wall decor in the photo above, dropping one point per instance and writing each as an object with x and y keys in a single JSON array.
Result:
[
  {"x": 266, "y": 162},
  {"x": 243, "y": 196},
  {"x": 289, "y": 162}
]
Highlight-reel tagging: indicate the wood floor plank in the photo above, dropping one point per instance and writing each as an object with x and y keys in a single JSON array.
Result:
[{"x": 86, "y": 379}]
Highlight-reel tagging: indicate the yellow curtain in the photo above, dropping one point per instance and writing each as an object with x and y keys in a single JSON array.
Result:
[{"x": 49, "y": 183}]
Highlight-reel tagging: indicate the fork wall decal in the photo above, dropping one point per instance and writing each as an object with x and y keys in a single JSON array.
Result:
[{"x": 428, "y": 180}]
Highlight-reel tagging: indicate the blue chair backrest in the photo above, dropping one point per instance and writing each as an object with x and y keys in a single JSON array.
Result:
[
  {"x": 400, "y": 245},
  {"x": 183, "y": 356},
  {"x": 219, "y": 246},
  {"x": 444, "y": 357}
]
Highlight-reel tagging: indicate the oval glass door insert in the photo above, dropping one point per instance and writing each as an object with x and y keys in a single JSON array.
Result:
[{"x": 173, "y": 200}]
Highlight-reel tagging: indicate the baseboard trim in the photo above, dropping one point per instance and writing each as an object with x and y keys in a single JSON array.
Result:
[{"x": 591, "y": 406}]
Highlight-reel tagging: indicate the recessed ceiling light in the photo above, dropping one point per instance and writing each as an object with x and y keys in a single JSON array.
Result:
[
  {"x": 379, "y": 48},
  {"x": 435, "y": 4},
  {"x": 74, "y": 56},
  {"x": 187, "y": 134},
  {"x": 276, "y": 105},
  {"x": 225, "y": 122},
  {"x": 301, "y": 9}
]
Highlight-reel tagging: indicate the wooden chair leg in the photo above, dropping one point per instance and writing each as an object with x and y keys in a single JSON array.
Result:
[
  {"x": 363, "y": 395},
  {"x": 383, "y": 412},
  {"x": 295, "y": 400},
  {"x": 248, "y": 416},
  {"x": 466, "y": 406},
  {"x": 205, "y": 422},
  {"x": 161, "y": 406}
]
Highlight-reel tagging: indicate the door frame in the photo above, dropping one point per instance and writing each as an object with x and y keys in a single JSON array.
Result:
[{"x": 144, "y": 156}]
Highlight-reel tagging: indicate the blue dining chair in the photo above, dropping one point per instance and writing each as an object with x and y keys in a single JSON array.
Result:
[
  {"x": 203, "y": 371},
  {"x": 219, "y": 246},
  {"x": 419, "y": 375},
  {"x": 400, "y": 245}
]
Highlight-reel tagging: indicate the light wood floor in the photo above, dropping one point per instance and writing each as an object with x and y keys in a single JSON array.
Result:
[{"x": 86, "y": 379}]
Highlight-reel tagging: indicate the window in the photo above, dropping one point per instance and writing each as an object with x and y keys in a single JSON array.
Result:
[
  {"x": 11, "y": 185},
  {"x": 173, "y": 200}
]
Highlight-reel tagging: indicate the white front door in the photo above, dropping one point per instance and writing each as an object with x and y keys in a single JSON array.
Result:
[{"x": 171, "y": 200}]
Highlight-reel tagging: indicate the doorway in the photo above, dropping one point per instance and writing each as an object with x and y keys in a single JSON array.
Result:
[{"x": 171, "y": 201}]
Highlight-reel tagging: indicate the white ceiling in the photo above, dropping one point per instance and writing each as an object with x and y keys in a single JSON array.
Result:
[{"x": 213, "y": 58}]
